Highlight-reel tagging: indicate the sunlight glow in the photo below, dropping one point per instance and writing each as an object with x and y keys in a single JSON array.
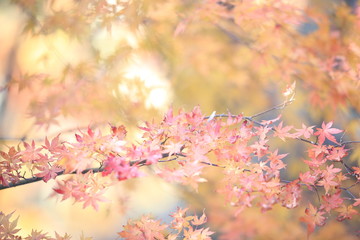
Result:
[
  {"x": 143, "y": 75},
  {"x": 158, "y": 91}
]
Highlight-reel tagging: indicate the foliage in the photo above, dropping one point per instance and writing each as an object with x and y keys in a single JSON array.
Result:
[
  {"x": 260, "y": 46},
  {"x": 184, "y": 142}
]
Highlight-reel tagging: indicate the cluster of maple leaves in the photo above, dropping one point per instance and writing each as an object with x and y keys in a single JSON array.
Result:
[
  {"x": 179, "y": 148},
  {"x": 316, "y": 46},
  {"x": 182, "y": 146},
  {"x": 183, "y": 225},
  {"x": 324, "y": 58}
]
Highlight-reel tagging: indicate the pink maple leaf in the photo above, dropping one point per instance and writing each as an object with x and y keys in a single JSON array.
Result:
[
  {"x": 283, "y": 132},
  {"x": 332, "y": 201},
  {"x": 93, "y": 199},
  {"x": 305, "y": 131},
  {"x": 325, "y": 132},
  {"x": 48, "y": 173}
]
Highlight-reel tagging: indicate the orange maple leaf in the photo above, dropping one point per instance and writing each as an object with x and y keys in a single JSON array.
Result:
[{"x": 314, "y": 217}]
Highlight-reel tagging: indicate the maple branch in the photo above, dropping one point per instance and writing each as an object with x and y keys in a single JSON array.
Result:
[
  {"x": 349, "y": 192},
  {"x": 15, "y": 139},
  {"x": 277, "y": 107},
  {"x": 182, "y": 155},
  {"x": 348, "y": 169},
  {"x": 139, "y": 163},
  {"x": 142, "y": 162},
  {"x": 220, "y": 116},
  {"x": 101, "y": 169},
  {"x": 317, "y": 193},
  {"x": 169, "y": 160},
  {"x": 37, "y": 179},
  {"x": 347, "y": 142}
]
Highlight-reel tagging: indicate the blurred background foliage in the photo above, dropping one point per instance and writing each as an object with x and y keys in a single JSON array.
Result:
[{"x": 69, "y": 64}]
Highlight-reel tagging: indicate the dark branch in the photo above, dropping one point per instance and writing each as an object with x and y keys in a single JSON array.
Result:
[{"x": 37, "y": 179}]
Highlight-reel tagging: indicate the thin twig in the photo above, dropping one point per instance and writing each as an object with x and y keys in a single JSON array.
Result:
[
  {"x": 277, "y": 107},
  {"x": 347, "y": 142},
  {"x": 221, "y": 115},
  {"x": 348, "y": 191},
  {"x": 352, "y": 185}
]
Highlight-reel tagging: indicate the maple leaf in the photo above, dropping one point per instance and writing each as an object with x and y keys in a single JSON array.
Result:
[
  {"x": 305, "y": 131},
  {"x": 48, "y": 173},
  {"x": 172, "y": 147},
  {"x": 195, "y": 117},
  {"x": 271, "y": 121},
  {"x": 81, "y": 161},
  {"x": 275, "y": 160},
  {"x": 332, "y": 201},
  {"x": 327, "y": 183},
  {"x": 346, "y": 212},
  {"x": 37, "y": 235},
  {"x": 93, "y": 199},
  {"x": 337, "y": 153},
  {"x": 11, "y": 156},
  {"x": 121, "y": 168},
  {"x": 318, "y": 151},
  {"x": 197, "y": 152},
  {"x": 283, "y": 132},
  {"x": 65, "y": 237},
  {"x": 30, "y": 153},
  {"x": 134, "y": 152},
  {"x": 120, "y": 132},
  {"x": 260, "y": 148},
  {"x": 64, "y": 188},
  {"x": 199, "y": 221},
  {"x": 152, "y": 153},
  {"x": 314, "y": 217},
  {"x": 317, "y": 155},
  {"x": 199, "y": 234},
  {"x": 262, "y": 131},
  {"x": 325, "y": 132},
  {"x": 54, "y": 146},
  {"x": 169, "y": 117},
  {"x": 327, "y": 179},
  {"x": 193, "y": 180},
  {"x": 171, "y": 175},
  {"x": 231, "y": 120},
  {"x": 180, "y": 213},
  {"x": 309, "y": 178},
  {"x": 331, "y": 171},
  {"x": 144, "y": 229},
  {"x": 290, "y": 197},
  {"x": 82, "y": 237},
  {"x": 7, "y": 227},
  {"x": 192, "y": 174},
  {"x": 180, "y": 220}
]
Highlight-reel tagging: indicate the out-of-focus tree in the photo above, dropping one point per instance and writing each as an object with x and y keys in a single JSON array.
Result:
[{"x": 76, "y": 66}]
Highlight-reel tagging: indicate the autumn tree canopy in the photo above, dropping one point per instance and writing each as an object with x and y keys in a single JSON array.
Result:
[{"x": 247, "y": 109}]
